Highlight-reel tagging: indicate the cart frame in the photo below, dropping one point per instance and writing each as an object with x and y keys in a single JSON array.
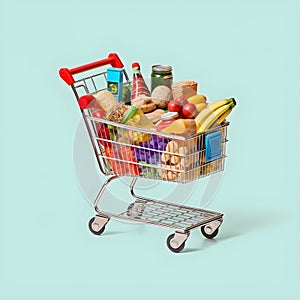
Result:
[{"x": 143, "y": 210}]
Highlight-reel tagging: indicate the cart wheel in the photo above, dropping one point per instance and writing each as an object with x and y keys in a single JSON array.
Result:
[
  {"x": 209, "y": 235},
  {"x": 176, "y": 250},
  {"x": 93, "y": 228}
]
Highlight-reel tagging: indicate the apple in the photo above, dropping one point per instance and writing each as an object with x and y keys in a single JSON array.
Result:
[
  {"x": 181, "y": 101},
  {"x": 174, "y": 106},
  {"x": 189, "y": 110},
  {"x": 87, "y": 101}
]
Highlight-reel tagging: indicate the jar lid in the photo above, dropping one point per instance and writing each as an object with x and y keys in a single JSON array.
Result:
[
  {"x": 169, "y": 115},
  {"x": 161, "y": 68}
]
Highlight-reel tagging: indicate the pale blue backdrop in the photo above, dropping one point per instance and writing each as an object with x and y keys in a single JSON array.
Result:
[{"x": 246, "y": 49}]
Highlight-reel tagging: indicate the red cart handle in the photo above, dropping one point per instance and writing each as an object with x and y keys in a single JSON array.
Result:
[{"x": 112, "y": 59}]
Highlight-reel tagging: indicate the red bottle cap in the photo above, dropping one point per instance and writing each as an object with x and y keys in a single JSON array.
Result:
[{"x": 135, "y": 65}]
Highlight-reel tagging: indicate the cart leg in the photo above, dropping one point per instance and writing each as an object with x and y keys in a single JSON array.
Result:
[
  {"x": 133, "y": 182},
  {"x": 104, "y": 186},
  {"x": 176, "y": 242},
  {"x": 133, "y": 194},
  {"x": 211, "y": 229}
]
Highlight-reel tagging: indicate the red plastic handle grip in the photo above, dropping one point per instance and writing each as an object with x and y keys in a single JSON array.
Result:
[{"x": 112, "y": 59}]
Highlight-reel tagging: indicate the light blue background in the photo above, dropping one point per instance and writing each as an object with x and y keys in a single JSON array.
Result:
[{"x": 246, "y": 49}]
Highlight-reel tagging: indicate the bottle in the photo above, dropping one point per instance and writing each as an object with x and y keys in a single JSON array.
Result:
[
  {"x": 161, "y": 75},
  {"x": 139, "y": 87},
  {"x": 166, "y": 120}
]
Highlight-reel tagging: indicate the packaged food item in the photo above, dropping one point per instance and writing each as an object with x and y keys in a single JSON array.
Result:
[
  {"x": 139, "y": 86},
  {"x": 115, "y": 82},
  {"x": 106, "y": 100},
  {"x": 184, "y": 127},
  {"x": 149, "y": 151},
  {"x": 185, "y": 89},
  {"x": 117, "y": 112},
  {"x": 120, "y": 157},
  {"x": 161, "y": 75},
  {"x": 166, "y": 120},
  {"x": 136, "y": 118},
  {"x": 144, "y": 103},
  {"x": 155, "y": 115},
  {"x": 174, "y": 160}
]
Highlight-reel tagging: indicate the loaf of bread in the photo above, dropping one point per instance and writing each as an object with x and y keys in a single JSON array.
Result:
[
  {"x": 185, "y": 89},
  {"x": 106, "y": 100}
]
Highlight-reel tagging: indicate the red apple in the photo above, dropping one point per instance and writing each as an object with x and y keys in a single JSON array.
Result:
[
  {"x": 174, "y": 106},
  {"x": 189, "y": 110},
  {"x": 181, "y": 101}
]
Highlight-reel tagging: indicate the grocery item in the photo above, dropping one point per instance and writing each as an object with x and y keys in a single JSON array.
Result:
[
  {"x": 174, "y": 106},
  {"x": 126, "y": 93},
  {"x": 88, "y": 101},
  {"x": 161, "y": 95},
  {"x": 161, "y": 75},
  {"x": 135, "y": 117},
  {"x": 200, "y": 106},
  {"x": 173, "y": 161},
  {"x": 196, "y": 99},
  {"x": 104, "y": 135},
  {"x": 149, "y": 170},
  {"x": 185, "y": 89},
  {"x": 184, "y": 127},
  {"x": 98, "y": 113},
  {"x": 154, "y": 116},
  {"x": 117, "y": 112},
  {"x": 212, "y": 112},
  {"x": 216, "y": 116},
  {"x": 144, "y": 103},
  {"x": 106, "y": 100},
  {"x": 116, "y": 156},
  {"x": 189, "y": 110},
  {"x": 146, "y": 154},
  {"x": 115, "y": 82},
  {"x": 139, "y": 86},
  {"x": 166, "y": 120}
]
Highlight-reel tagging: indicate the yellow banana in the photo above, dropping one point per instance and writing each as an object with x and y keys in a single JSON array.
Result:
[
  {"x": 213, "y": 117},
  {"x": 196, "y": 99},
  {"x": 204, "y": 113},
  {"x": 200, "y": 106},
  {"x": 222, "y": 118}
]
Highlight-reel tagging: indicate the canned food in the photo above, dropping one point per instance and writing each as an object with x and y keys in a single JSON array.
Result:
[{"x": 161, "y": 75}]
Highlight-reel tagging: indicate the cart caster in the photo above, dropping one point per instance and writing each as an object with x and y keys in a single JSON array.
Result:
[
  {"x": 176, "y": 242},
  {"x": 97, "y": 224},
  {"x": 211, "y": 230}
]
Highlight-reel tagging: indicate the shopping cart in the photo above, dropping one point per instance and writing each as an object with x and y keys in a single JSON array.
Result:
[{"x": 124, "y": 150}]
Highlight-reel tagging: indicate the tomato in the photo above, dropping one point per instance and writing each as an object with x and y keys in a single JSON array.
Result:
[
  {"x": 189, "y": 110},
  {"x": 174, "y": 106}
]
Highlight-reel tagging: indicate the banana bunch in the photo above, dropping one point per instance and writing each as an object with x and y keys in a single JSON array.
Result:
[{"x": 214, "y": 114}]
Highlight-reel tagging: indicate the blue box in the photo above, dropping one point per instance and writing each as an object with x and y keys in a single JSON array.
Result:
[
  {"x": 115, "y": 82},
  {"x": 213, "y": 142}
]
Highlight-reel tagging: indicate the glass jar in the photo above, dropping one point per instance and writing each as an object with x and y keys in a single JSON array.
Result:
[
  {"x": 166, "y": 120},
  {"x": 161, "y": 75}
]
